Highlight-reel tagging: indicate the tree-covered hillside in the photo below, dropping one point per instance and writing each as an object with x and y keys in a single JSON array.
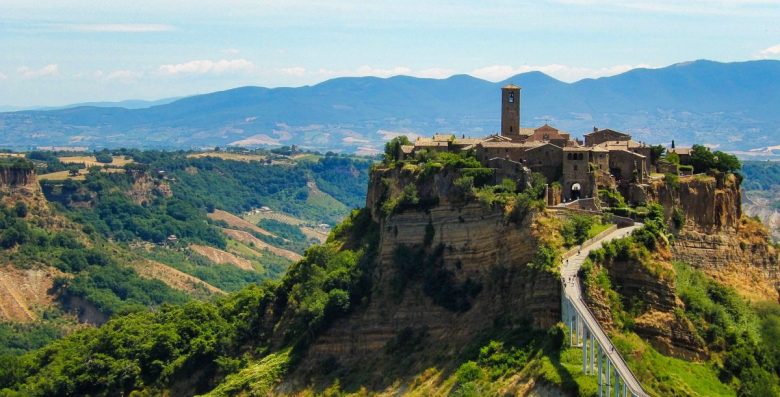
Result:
[{"x": 143, "y": 229}]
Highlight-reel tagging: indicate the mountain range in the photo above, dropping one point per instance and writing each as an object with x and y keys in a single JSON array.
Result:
[{"x": 732, "y": 106}]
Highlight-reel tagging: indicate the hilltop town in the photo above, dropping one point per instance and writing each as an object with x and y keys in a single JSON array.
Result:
[{"x": 606, "y": 159}]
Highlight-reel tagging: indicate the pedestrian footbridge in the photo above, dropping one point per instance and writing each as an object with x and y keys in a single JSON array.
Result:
[{"x": 599, "y": 357}]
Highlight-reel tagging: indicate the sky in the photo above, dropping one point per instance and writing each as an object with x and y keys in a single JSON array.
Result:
[{"x": 56, "y": 52}]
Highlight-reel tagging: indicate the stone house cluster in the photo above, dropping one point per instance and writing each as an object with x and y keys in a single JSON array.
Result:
[{"x": 606, "y": 158}]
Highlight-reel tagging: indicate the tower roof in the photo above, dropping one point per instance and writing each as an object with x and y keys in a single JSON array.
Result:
[{"x": 510, "y": 86}]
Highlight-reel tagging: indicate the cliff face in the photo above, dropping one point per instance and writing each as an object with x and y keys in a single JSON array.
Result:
[
  {"x": 655, "y": 298},
  {"x": 714, "y": 236},
  {"x": 709, "y": 204},
  {"x": 471, "y": 247},
  {"x": 14, "y": 177}
]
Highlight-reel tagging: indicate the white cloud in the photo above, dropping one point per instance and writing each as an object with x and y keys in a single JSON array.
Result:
[
  {"x": 770, "y": 52},
  {"x": 231, "y": 51},
  {"x": 2, "y": 76},
  {"x": 561, "y": 72},
  {"x": 117, "y": 27},
  {"x": 208, "y": 66},
  {"x": 46, "y": 71},
  {"x": 296, "y": 71}
]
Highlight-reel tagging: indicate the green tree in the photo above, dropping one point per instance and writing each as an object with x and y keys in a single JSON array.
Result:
[{"x": 393, "y": 148}]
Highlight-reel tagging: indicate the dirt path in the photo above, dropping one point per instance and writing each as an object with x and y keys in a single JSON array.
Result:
[
  {"x": 238, "y": 223},
  {"x": 21, "y": 291},
  {"x": 174, "y": 278},
  {"x": 221, "y": 257},
  {"x": 248, "y": 238}
]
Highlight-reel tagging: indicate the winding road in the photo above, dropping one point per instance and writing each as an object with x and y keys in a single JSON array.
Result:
[{"x": 573, "y": 291}]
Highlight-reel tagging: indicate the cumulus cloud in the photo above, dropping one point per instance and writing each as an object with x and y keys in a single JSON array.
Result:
[
  {"x": 207, "y": 67},
  {"x": 561, "y": 72},
  {"x": 770, "y": 52},
  {"x": 117, "y": 27},
  {"x": 46, "y": 71}
]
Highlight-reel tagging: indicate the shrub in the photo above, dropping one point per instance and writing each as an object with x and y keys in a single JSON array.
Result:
[
  {"x": 20, "y": 209},
  {"x": 678, "y": 218},
  {"x": 104, "y": 158},
  {"x": 612, "y": 198},
  {"x": 480, "y": 176},
  {"x": 672, "y": 180},
  {"x": 468, "y": 372},
  {"x": 463, "y": 187},
  {"x": 576, "y": 229}
]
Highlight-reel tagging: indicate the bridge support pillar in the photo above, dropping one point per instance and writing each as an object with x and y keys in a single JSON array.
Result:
[
  {"x": 600, "y": 366},
  {"x": 585, "y": 353},
  {"x": 593, "y": 344}
]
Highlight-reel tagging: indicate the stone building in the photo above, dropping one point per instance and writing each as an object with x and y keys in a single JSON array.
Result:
[{"x": 608, "y": 158}]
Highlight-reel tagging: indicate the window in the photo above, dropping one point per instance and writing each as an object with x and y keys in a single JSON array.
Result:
[
  {"x": 511, "y": 97},
  {"x": 575, "y": 167}
]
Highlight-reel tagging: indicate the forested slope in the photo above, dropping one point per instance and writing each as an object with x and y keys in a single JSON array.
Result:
[{"x": 112, "y": 239}]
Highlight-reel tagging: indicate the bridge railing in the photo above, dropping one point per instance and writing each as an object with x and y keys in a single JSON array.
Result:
[{"x": 635, "y": 392}]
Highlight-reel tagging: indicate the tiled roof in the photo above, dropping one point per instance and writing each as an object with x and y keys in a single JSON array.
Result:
[
  {"x": 430, "y": 143},
  {"x": 503, "y": 145},
  {"x": 443, "y": 137},
  {"x": 607, "y": 130},
  {"x": 467, "y": 141},
  {"x": 629, "y": 152},
  {"x": 538, "y": 145},
  {"x": 680, "y": 150}
]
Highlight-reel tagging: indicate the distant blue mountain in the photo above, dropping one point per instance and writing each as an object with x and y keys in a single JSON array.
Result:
[{"x": 734, "y": 105}]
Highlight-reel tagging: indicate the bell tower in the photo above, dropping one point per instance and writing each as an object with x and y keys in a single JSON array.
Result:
[{"x": 510, "y": 111}]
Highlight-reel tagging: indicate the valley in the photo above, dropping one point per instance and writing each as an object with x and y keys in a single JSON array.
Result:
[{"x": 122, "y": 234}]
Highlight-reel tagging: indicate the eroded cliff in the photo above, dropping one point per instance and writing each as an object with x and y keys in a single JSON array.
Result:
[
  {"x": 715, "y": 237},
  {"x": 447, "y": 272}
]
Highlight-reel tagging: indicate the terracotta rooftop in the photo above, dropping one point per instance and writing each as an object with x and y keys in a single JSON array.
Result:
[
  {"x": 443, "y": 137},
  {"x": 680, "y": 150},
  {"x": 607, "y": 130},
  {"x": 503, "y": 145},
  {"x": 539, "y": 145},
  {"x": 467, "y": 141},
  {"x": 430, "y": 143}
]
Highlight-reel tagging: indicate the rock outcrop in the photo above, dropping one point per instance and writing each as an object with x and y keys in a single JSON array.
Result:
[
  {"x": 472, "y": 245},
  {"x": 712, "y": 235},
  {"x": 14, "y": 176},
  {"x": 652, "y": 293}
]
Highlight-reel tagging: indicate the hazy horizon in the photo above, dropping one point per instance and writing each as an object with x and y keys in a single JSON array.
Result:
[{"x": 57, "y": 54}]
